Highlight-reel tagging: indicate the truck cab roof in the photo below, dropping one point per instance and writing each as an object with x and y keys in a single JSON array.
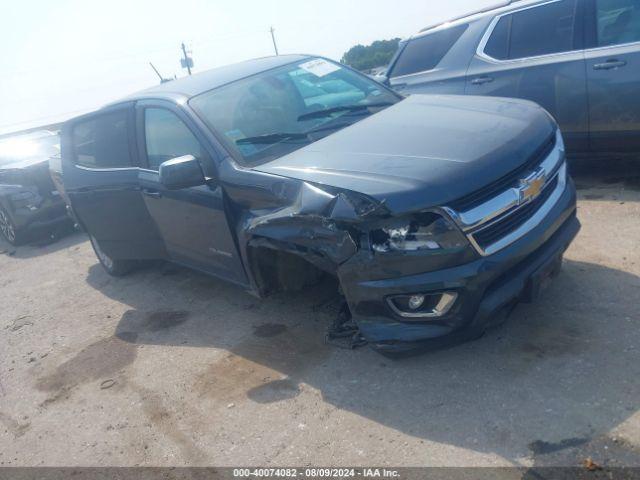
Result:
[{"x": 198, "y": 83}]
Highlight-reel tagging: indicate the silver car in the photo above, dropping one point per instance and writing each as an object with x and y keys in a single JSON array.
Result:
[{"x": 579, "y": 59}]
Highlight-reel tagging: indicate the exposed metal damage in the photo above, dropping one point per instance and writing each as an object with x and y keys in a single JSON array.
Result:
[
  {"x": 312, "y": 232},
  {"x": 320, "y": 225}
]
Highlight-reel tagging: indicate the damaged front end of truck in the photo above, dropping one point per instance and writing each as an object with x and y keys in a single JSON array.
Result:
[
  {"x": 299, "y": 230},
  {"x": 314, "y": 229}
]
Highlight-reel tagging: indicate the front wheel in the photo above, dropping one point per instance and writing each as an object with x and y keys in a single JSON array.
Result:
[
  {"x": 8, "y": 230},
  {"x": 115, "y": 268}
]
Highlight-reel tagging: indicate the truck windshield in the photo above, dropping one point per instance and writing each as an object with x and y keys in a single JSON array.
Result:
[{"x": 278, "y": 111}]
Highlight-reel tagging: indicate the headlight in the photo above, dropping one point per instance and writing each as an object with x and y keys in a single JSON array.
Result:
[{"x": 425, "y": 231}]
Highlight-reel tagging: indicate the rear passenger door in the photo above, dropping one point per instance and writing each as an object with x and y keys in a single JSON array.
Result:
[
  {"x": 100, "y": 174},
  {"x": 613, "y": 73},
  {"x": 536, "y": 53}
]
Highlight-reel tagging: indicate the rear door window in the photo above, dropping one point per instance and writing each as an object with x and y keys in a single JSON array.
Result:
[
  {"x": 541, "y": 30},
  {"x": 618, "y": 22},
  {"x": 103, "y": 141},
  {"x": 498, "y": 45},
  {"x": 425, "y": 53}
]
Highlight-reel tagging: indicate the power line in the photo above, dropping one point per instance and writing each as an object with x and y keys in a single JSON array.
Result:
[
  {"x": 140, "y": 53},
  {"x": 186, "y": 62}
]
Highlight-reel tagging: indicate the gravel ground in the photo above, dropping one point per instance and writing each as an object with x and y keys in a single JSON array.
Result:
[{"x": 169, "y": 367}]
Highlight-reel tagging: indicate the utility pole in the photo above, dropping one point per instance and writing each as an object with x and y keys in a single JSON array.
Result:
[
  {"x": 187, "y": 61},
  {"x": 273, "y": 37}
]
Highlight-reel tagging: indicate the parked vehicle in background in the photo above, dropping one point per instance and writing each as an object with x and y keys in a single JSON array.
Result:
[
  {"x": 579, "y": 59},
  {"x": 434, "y": 213},
  {"x": 55, "y": 170},
  {"x": 28, "y": 198}
]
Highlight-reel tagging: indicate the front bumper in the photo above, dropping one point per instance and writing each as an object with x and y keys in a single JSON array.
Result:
[{"x": 485, "y": 287}]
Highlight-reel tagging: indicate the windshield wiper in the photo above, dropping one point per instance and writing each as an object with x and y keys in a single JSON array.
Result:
[
  {"x": 269, "y": 138},
  {"x": 342, "y": 108}
]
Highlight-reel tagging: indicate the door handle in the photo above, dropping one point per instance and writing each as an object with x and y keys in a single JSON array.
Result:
[
  {"x": 611, "y": 64},
  {"x": 481, "y": 80},
  {"x": 399, "y": 86},
  {"x": 149, "y": 192}
]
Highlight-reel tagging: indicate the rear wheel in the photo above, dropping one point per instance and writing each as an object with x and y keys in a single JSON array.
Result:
[
  {"x": 8, "y": 230},
  {"x": 116, "y": 268}
]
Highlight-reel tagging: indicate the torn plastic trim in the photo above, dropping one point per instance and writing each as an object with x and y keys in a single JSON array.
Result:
[
  {"x": 318, "y": 220},
  {"x": 326, "y": 249},
  {"x": 344, "y": 331},
  {"x": 322, "y": 225}
]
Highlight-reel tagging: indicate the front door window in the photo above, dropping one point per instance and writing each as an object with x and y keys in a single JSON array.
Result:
[{"x": 167, "y": 137}]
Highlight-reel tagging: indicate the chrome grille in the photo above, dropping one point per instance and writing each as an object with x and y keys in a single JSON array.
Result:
[
  {"x": 493, "y": 232},
  {"x": 502, "y": 184},
  {"x": 518, "y": 207}
]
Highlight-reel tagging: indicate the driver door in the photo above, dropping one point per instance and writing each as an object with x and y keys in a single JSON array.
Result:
[{"x": 192, "y": 220}]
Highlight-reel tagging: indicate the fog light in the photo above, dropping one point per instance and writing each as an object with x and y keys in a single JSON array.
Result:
[
  {"x": 429, "y": 305},
  {"x": 416, "y": 301}
]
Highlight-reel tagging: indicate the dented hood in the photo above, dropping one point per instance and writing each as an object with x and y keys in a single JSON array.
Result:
[{"x": 425, "y": 151}]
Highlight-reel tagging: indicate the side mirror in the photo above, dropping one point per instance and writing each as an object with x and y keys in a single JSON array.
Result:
[{"x": 181, "y": 172}]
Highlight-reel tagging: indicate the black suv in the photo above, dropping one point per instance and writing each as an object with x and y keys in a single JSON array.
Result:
[
  {"x": 29, "y": 200},
  {"x": 433, "y": 212}
]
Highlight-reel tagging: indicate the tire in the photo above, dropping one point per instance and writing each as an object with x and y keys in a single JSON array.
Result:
[
  {"x": 8, "y": 230},
  {"x": 115, "y": 268}
]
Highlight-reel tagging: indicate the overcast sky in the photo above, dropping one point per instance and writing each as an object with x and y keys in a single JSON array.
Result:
[{"x": 66, "y": 56}]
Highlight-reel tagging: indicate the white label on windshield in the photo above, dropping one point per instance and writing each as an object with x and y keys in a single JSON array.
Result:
[{"x": 320, "y": 67}]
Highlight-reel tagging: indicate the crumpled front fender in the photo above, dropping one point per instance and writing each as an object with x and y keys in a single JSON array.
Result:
[{"x": 319, "y": 224}]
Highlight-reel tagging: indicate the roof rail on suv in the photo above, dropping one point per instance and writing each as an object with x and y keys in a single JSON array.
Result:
[{"x": 487, "y": 8}]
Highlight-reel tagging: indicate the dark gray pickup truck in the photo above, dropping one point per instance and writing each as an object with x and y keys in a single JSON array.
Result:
[{"x": 435, "y": 213}]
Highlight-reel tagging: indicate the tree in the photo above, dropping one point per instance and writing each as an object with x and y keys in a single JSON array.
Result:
[{"x": 378, "y": 54}]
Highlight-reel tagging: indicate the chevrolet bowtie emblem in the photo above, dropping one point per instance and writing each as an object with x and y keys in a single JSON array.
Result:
[{"x": 531, "y": 186}]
